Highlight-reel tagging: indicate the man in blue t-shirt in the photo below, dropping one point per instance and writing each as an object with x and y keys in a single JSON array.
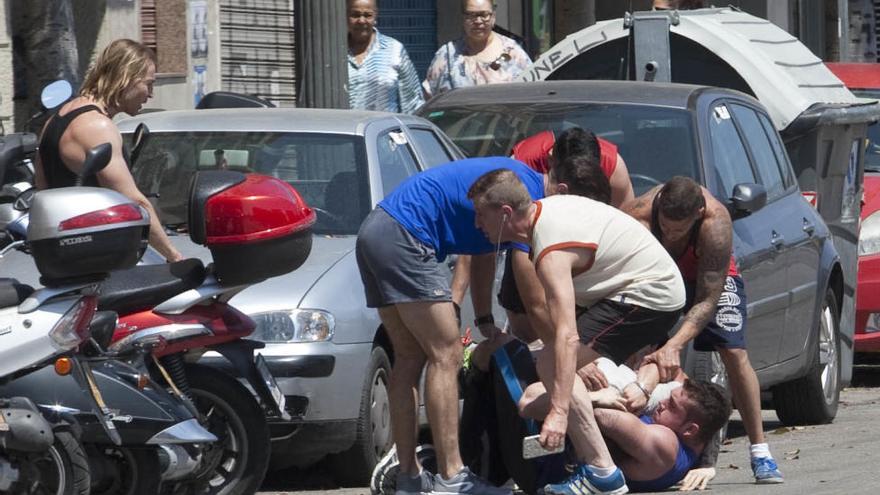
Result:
[{"x": 400, "y": 248}]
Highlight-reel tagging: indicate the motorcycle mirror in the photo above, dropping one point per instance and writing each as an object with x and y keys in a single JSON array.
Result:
[
  {"x": 139, "y": 140},
  {"x": 24, "y": 199},
  {"x": 96, "y": 159},
  {"x": 55, "y": 94}
]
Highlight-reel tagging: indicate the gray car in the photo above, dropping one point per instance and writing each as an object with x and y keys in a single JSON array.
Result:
[
  {"x": 725, "y": 140},
  {"x": 327, "y": 350}
]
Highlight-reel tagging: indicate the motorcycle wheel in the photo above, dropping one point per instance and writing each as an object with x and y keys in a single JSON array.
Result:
[
  {"x": 236, "y": 464},
  {"x": 62, "y": 470},
  {"x": 125, "y": 471}
]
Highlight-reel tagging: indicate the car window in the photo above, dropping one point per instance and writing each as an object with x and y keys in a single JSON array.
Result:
[
  {"x": 656, "y": 143},
  {"x": 429, "y": 145},
  {"x": 396, "y": 160},
  {"x": 778, "y": 150},
  {"x": 766, "y": 161},
  {"x": 872, "y": 144},
  {"x": 731, "y": 163},
  {"x": 329, "y": 171}
]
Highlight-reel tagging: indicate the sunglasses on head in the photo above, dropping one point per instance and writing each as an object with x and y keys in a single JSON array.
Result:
[{"x": 496, "y": 64}]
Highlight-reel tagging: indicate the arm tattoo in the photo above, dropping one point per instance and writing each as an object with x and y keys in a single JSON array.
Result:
[{"x": 715, "y": 251}]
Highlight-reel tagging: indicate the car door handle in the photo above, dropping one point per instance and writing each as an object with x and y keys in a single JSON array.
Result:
[
  {"x": 809, "y": 227},
  {"x": 777, "y": 240}
]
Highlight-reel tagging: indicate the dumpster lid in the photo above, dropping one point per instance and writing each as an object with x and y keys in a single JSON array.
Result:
[{"x": 784, "y": 75}]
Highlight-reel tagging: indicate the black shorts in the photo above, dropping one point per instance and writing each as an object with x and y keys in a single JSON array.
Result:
[
  {"x": 619, "y": 330},
  {"x": 508, "y": 293}
]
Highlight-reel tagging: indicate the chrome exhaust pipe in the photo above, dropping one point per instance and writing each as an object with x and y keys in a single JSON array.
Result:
[{"x": 189, "y": 431}]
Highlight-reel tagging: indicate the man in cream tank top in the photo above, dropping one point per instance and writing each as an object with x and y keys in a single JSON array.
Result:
[{"x": 611, "y": 289}]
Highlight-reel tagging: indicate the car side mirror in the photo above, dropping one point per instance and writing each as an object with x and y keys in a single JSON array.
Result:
[{"x": 748, "y": 198}]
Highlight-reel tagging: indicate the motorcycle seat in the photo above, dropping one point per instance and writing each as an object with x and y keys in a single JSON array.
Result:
[
  {"x": 143, "y": 287},
  {"x": 13, "y": 293}
]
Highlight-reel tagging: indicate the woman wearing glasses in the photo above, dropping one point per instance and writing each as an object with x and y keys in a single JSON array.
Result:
[{"x": 481, "y": 56}]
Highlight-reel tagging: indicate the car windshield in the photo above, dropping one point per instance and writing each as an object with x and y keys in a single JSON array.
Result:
[
  {"x": 872, "y": 147},
  {"x": 328, "y": 170},
  {"x": 656, "y": 143}
]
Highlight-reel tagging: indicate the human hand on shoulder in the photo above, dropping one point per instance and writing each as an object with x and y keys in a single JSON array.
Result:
[{"x": 668, "y": 361}]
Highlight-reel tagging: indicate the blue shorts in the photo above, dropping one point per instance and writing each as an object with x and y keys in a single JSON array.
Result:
[
  {"x": 728, "y": 329},
  {"x": 396, "y": 267}
]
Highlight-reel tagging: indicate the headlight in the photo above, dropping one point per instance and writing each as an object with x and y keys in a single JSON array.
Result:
[
  {"x": 296, "y": 325},
  {"x": 869, "y": 235}
]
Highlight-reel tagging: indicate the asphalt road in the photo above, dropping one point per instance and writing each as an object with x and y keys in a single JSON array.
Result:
[{"x": 830, "y": 459}]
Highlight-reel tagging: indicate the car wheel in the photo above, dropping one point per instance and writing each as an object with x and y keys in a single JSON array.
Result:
[
  {"x": 709, "y": 367},
  {"x": 354, "y": 466},
  {"x": 813, "y": 399}
]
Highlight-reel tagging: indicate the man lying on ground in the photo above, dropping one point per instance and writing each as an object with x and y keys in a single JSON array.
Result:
[{"x": 655, "y": 450}]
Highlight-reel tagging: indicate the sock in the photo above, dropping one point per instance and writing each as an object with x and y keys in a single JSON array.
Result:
[
  {"x": 760, "y": 450},
  {"x": 601, "y": 472},
  {"x": 460, "y": 471}
]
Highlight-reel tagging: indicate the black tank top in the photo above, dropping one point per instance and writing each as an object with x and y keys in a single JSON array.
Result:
[{"x": 56, "y": 172}]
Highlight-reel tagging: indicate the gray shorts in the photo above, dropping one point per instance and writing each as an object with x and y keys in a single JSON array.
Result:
[{"x": 396, "y": 267}]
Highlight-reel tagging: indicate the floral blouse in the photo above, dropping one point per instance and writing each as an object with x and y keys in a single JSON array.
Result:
[{"x": 453, "y": 68}]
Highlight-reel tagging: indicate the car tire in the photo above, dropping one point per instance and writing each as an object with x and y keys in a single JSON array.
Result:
[
  {"x": 813, "y": 399},
  {"x": 354, "y": 466},
  {"x": 709, "y": 367}
]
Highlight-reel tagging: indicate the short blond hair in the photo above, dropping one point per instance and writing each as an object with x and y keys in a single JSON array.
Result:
[
  {"x": 498, "y": 188},
  {"x": 119, "y": 65}
]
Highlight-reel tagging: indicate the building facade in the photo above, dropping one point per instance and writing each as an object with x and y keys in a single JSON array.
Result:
[{"x": 252, "y": 46}]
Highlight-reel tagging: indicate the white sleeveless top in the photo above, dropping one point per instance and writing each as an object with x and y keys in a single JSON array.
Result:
[{"x": 629, "y": 264}]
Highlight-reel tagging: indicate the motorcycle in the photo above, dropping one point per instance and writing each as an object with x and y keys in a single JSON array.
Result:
[
  {"x": 158, "y": 435},
  {"x": 187, "y": 305},
  {"x": 40, "y": 454}
]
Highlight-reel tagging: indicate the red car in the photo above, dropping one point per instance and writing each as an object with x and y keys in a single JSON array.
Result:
[{"x": 864, "y": 80}]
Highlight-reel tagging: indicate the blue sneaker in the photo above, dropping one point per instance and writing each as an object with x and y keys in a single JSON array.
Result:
[
  {"x": 766, "y": 471},
  {"x": 584, "y": 481}
]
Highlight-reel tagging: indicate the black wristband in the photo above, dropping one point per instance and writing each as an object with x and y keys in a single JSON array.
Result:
[{"x": 484, "y": 320}]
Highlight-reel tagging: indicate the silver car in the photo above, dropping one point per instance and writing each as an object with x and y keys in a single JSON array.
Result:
[{"x": 329, "y": 353}]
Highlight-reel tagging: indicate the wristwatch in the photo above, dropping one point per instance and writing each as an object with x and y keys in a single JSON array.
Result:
[
  {"x": 643, "y": 389},
  {"x": 484, "y": 320}
]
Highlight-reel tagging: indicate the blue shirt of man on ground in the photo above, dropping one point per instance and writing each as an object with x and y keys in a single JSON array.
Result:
[{"x": 400, "y": 247}]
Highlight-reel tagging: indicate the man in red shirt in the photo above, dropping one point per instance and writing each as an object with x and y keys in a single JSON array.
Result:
[{"x": 537, "y": 150}]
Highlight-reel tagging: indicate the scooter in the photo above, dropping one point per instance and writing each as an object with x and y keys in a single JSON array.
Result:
[
  {"x": 187, "y": 305},
  {"x": 158, "y": 435},
  {"x": 41, "y": 454}
]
